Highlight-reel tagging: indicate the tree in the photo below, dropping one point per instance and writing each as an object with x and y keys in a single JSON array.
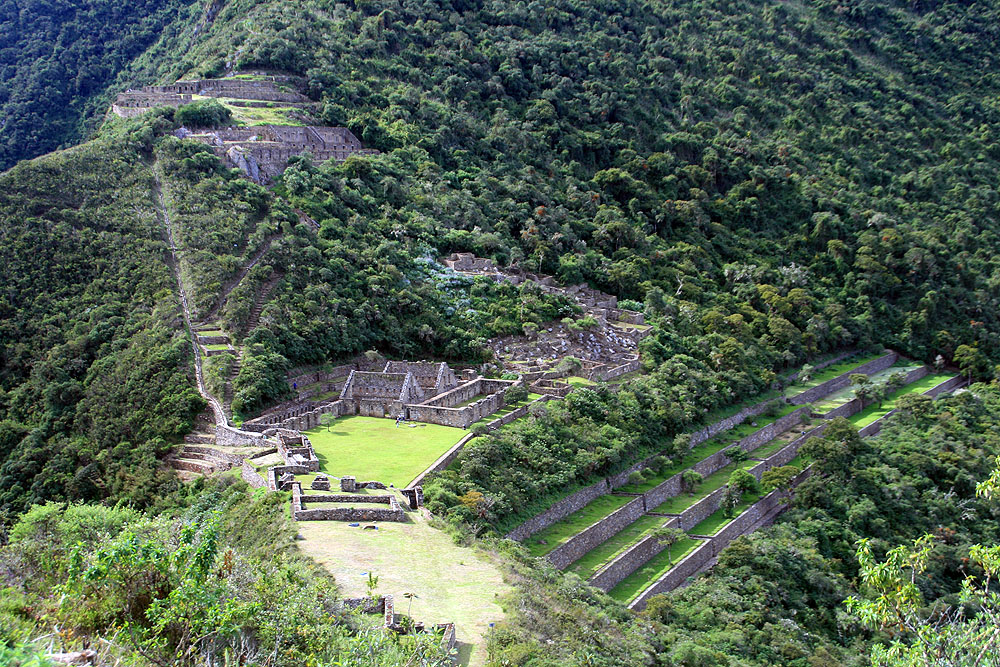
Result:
[
  {"x": 806, "y": 373},
  {"x": 736, "y": 455},
  {"x": 833, "y": 453},
  {"x": 326, "y": 419},
  {"x": 668, "y": 536},
  {"x": 690, "y": 480},
  {"x": 970, "y": 361},
  {"x": 862, "y": 384},
  {"x": 741, "y": 482},
  {"x": 781, "y": 479}
]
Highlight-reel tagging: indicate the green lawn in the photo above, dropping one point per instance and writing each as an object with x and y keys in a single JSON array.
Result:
[
  {"x": 605, "y": 552},
  {"x": 577, "y": 381},
  {"x": 836, "y": 399},
  {"x": 714, "y": 523},
  {"x": 656, "y": 567},
  {"x": 450, "y": 582},
  {"x": 507, "y": 409},
  {"x": 546, "y": 540},
  {"x": 375, "y": 449},
  {"x": 830, "y": 372},
  {"x": 873, "y": 412},
  {"x": 217, "y": 346},
  {"x": 215, "y": 332}
]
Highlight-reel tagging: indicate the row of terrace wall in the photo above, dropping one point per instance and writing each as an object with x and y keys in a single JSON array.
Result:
[
  {"x": 842, "y": 381},
  {"x": 604, "y": 374},
  {"x": 634, "y": 558},
  {"x": 702, "y": 555},
  {"x": 670, "y": 487},
  {"x": 559, "y": 511},
  {"x": 227, "y": 436},
  {"x": 697, "y": 559},
  {"x": 598, "y": 533},
  {"x": 856, "y": 405}
]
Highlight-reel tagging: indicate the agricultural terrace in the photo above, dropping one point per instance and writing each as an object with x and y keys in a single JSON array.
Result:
[
  {"x": 873, "y": 412},
  {"x": 372, "y": 448},
  {"x": 839, "y": 398}
]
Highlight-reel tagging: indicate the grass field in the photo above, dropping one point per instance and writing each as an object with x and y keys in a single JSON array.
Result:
[
  {"x": 217, "y": 346},
  {"x": 375, "y": 449},
  {"x": 829, "y": 373},
  {"x": 608, "y": 550},
  {"x": 656, "y": 567},
  {"x": 546, "y": 540},
  {"x": 838, "y": 398},
  {"x": 451, "y": 583},
  {"x": 873, "y": 412}
]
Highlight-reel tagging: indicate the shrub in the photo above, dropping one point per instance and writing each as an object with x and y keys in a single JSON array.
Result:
[{"x": 207, "y": 113}]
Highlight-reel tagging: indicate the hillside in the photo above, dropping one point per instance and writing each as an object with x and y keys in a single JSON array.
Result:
[{"x": 764, "y": 185}]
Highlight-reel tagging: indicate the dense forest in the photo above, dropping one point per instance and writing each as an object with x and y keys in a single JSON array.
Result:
[{"x": 768, "y": 181}]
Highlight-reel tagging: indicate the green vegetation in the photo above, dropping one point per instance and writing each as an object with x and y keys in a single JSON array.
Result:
[
  {"x": 546, "y": 540},
  {"x": 657, "y": 566},
  {"x": 713, "y": 523},
  {"x": 371, "y": 448},
  {"x": 879, "y": 410}
]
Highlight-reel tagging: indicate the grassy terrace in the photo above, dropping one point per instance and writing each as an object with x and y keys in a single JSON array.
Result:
[
  {"x": 545, "y": 541},
  {"x": 713, "y": 482},
  {"x": 375, "y": 449},
  {"x": 714, "y": 523},
  {"x": 214, "y": 332},
  {"x": 873, "y": 412},
  {"x": 507, "y": 409},
  {"x": 829, "y": 373},
  {"x": 657, "y": 566},
  {"x": 607, "y": 551},
  {"x": 838, "y": 398},
  {"x": 217, "y": 346}
]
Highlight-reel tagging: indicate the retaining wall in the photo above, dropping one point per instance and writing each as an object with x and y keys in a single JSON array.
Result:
[
  {"x": 227, "y": 436},
  {"x": 856, "y": 405},
  {"x": 631, "y": 560},
  {"x": 841, "y": 381},
  {"x": 697, "y": 559},
  {"x": 444, "y": 460},
  {"x": 792, "y": 377},
  {"x": 252, "y": 477},
  {"x": 559, "y": 511},
  {"x": 947, "y": 385},
  {"x": 598, "y": 533},
  {"x": 718, "y": 427}
]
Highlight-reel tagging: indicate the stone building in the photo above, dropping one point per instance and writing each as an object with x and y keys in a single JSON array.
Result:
[{"x": 381, "y": 394}]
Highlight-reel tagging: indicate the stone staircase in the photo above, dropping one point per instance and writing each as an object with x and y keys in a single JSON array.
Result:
[{"x": 261, "y": 300}]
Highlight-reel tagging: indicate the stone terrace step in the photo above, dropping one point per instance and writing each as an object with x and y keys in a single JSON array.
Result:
[
  {"x": 192, "y": 465},
  {"x": 200, "y": 438}
]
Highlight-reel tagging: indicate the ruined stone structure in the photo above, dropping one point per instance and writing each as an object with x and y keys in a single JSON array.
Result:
[
  {"x": 132, "y": 103},
  {"x": 381, "y": 394},
  {"x": 261, "y": 152},
  {"x": 296, "y": 449}
]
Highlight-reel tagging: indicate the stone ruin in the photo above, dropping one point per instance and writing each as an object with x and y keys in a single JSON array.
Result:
[
  {"x": 297, "y": 451},
  {"x": 283, "y": 90},
  {"x": 384, "y": 606},
  {"x": 261, "y": 152},
  {"x": 608, "y": 350}
]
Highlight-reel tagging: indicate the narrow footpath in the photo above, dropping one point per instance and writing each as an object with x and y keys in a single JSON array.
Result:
[{"x": 163, "y": 212}]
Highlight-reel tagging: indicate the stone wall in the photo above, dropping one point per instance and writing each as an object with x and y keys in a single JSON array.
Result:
[
  {"x": 227, "y": 436},
  {"x": 597, "y": 533},
  {"x": 444, "y": 460},
  {"x": 252, "y": 477},
  {"x": 630, "y": 560},
  {"x": 842, "y": 381},
  {"x": 946, "y": 386},
  {"x": 300, "y": 511},
  {"x": 700, "y": 557},
  {"x": 733, "y": 421},
  {"x": 771, "y": 431},
  {"x": 792, "y": 377},
  {"x": 701, "y": 510},
  {"x": 558, "y": 511}
]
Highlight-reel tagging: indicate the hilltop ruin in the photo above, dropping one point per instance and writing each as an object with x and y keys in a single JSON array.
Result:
[{"x": 260, "y": 151}]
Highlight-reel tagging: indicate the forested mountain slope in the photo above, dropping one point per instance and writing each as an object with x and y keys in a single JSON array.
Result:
[
  {"x": 58, "y": 58},
  {"x": 769, "y": 181}
]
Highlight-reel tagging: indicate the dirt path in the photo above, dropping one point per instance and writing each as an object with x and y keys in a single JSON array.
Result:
[{"x": 163, "y": 212}]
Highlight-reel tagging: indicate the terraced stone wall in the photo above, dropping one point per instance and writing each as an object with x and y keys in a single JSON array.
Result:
[
  {"x": 558, "y": 511},
  {"x": 842, "y": 381},
  {"x": 631, "y": 560},
  {"x": 856, "y": 405},
  {"x": 596, "y": 534}
]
